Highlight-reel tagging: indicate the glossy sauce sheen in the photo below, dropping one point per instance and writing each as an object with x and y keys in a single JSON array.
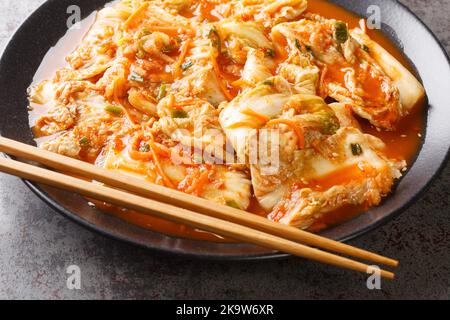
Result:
[{"x": 404, "y": 143}]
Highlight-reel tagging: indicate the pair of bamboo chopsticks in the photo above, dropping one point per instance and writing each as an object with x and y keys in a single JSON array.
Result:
[{"x": 179, "y": 207}]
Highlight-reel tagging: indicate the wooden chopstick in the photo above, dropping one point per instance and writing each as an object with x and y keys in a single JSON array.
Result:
[
  {"x": 180, "y": 199},
  {"x": 179, "y": 215}
]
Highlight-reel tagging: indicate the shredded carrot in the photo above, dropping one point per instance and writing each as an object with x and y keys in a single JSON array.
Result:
[
  {"x": 171, "y": 30},
  {"x": 199, "y": 183},
  {"x": 322, "y": 81},
  {"x": 297, "y": 129},
  {"x": 251, "y": 113},
  {"x": 150, "y": 122},
  {"x": 119, "y": 88},
  {"x": 243, "y": 123},
  {"x": 159, "y": 168},
  {"x": 136, "y": 15},
  {"x": 222, "y": 86},
  {"x": 161, "y": 150},
  {"x": 227, "y": 11},
  {"x": 153, "y": 153},
  {"x": 278, "y": 213},
  {"x": 241, "y": 83},
  {"x": 185, "y": 102},
  {"x": 125, "y": 108},
  {"x": 183, "y": 52},
  {"x": 139, "y": 156},
  {"x": 117, "y": 143},
  {"x": 171, "y": 102},
  {"x": 157, "y": 27}
]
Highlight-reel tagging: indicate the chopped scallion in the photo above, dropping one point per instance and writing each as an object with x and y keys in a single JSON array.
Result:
[
  {"x": 356, "y": 149},
  {"x": 270, "y": 53},
  {"x": 83, "y": 142},
  {"x": 186, "y": 65},
  {"x": 216, "y": 41},
  {"x": 233, "y": 204},
  {"x": 179, "y": 114},
  {"x": 162, "y": 92},
  {"x": 340, "y": 32},
  {"x": 115, "y": 110},
  {"x": 135, "y": 77},
  {"x": 140, "y": 54},
  {"x": 144, "y": 147}
]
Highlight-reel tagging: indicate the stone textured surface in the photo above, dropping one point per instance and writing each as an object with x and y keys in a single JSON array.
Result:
[{"x": 37, "y": 244}]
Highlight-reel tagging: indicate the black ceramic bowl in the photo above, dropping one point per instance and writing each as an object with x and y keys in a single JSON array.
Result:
[{"x": 47, "y": 25}]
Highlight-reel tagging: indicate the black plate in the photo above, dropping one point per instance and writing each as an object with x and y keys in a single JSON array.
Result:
[{"x": 47, "y": 25}]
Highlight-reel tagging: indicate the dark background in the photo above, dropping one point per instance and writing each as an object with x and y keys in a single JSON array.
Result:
[{"x": 37, "y": 244}]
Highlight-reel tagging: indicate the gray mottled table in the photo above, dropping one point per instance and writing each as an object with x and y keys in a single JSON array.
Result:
[{"x": 37, "y": 244}]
